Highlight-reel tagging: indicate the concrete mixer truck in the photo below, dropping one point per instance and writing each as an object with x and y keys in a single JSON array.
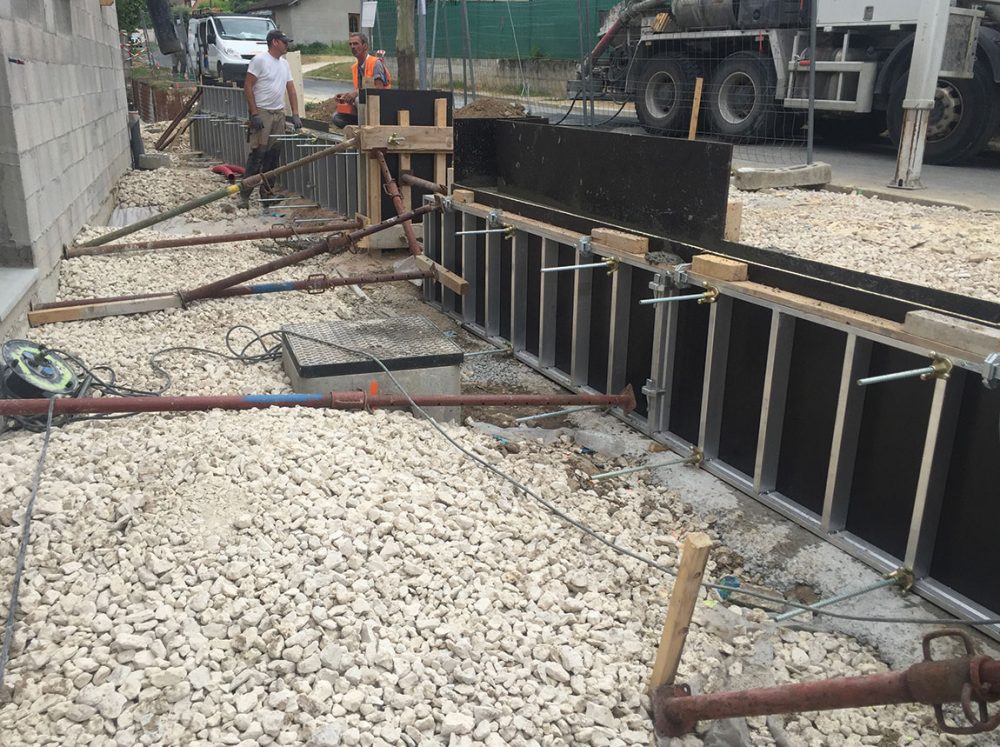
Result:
[{"x": 754, "y": 58}]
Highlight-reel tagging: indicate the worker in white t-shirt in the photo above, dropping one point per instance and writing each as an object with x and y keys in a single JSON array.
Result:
[{"x": 268, "y": 80}]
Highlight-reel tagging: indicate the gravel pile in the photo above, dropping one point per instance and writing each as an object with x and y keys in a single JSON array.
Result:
[
  {"x": 330, "y": 578},
  {"x": 939, "y": 247}
]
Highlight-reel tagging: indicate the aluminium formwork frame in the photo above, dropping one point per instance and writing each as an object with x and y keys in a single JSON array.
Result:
[{"x": 504, "y": 302}]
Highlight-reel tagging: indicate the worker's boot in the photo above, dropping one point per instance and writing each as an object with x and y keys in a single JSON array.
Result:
[{"x": 253, "y": 167}]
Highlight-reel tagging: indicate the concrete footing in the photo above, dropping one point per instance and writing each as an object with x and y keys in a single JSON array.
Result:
[{"x": 808, "y": 175}]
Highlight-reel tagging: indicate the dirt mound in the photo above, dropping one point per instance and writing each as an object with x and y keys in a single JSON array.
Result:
[
  {"x": 486, "y": 108},
  {"x": 323, "y": 111}
]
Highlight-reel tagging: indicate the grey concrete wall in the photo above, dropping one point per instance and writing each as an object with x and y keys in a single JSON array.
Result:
[
  {"x": 316, "y": 20},
  {"x": 63, "y": 126}
]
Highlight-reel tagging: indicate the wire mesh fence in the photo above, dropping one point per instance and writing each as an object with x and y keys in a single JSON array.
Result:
[{"x": 730, "y": 71}]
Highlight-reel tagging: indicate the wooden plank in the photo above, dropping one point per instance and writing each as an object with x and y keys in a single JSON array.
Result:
[
  {"x": 447, "y": 278},
  {"x": 107, "y": 308},
  {"x": 734, "y": 220},
  {"x": 463, "y": 196},
  {"x": 694, "y": 557},
  {"x": 410, "y": 139},
  {"x": 620, "y": 240},
  {"x": 441, "y": 159},
  {"x": 373, "y": 114},
  {"x": 695, "y": 108},
  {"x": 719, "y": 268},
  {"x": 404, "y": 163}
]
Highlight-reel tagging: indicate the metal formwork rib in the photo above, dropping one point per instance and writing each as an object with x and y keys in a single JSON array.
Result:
[{"x": 761, "y": 462}]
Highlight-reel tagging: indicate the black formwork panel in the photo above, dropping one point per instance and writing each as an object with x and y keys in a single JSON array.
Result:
[
  {"x": 688, "y": 367},
  {"x": 565, "y": 296},
  {"x": 432, "y": 250},
  {"x": 451, "y": 221},
  {"x": 966, "y": 549},
  {"x": 534, "y": 289},
  {"x": 750, "y": 330},
  {"x": 810, "y": 411},
  {"x": 600, "y": 329},
  {"x": 639, "y": 356},
  {"x": 889, "y": 450},
  {"x": 506, "y": 265}
]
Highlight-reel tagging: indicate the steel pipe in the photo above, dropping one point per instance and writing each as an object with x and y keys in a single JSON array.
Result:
[
  {"x": 929, "y": 682},
  {"x": 352, "y": 400},
  {"x": 275, "y": 232},
  {"x": 397, "y": 201},
  {"x": 165, "y": 138},
  {"x": 415, "y": 181},
  {"x": 335, "y": 242},
  {"x": 249, "y": 183}
]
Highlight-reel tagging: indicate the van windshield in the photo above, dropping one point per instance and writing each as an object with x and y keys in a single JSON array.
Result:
[{"x": 248, "y": 29}]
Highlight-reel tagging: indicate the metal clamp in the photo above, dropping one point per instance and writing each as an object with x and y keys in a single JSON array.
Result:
[
  {"x": 395, "y": 139},
  {"x": 447, "y": 204},
  {"x": 583, "y": 245},
  {"x": 493, "y": 218},
  {"x": 991, "y": 371},
  {"x": 680, "y": 274}
]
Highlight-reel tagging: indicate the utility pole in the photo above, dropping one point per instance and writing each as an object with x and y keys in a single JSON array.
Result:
[
  {"x": 422, "y": 42},
  {"x": 405, "y": 53}
]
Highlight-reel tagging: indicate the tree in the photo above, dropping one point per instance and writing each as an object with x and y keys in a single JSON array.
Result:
[{"x": 130, "y": 14}]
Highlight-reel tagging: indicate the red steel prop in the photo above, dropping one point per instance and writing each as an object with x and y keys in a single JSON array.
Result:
[
  {"x": 415, "y": 181},
  {"x": 973, "y": 681},
  {"x": 274, "y": 232},
  {"x": 356, "y": 400},
  {"x": 397, "y": 201},
  {"x": 335, "y": 242}
]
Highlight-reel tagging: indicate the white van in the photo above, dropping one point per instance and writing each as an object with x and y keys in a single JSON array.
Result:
[{"x": 221, "y": 46}]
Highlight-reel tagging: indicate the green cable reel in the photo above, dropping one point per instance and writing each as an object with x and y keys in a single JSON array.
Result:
[{"x": 32, "y": 371}]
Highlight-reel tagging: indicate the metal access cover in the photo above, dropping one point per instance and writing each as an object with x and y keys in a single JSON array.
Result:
[{"x": 399, "y": 342}]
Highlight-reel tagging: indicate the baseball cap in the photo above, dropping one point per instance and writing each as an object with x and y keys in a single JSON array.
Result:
[{"x": 277, "y": 34}]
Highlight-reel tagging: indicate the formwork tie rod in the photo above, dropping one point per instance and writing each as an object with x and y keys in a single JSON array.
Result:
[
  {"x": 276, "y": 232},
  {"x": 555, "y": 414},
  {"x": 939, "y": 369},
  {"x": 507, "y": 231},
  {"x": 973, "y": 681},
  {"x": 609, "y": 264},
  {"x": 902, "y": 578},
  {"x": 708, "y": 296},
  {"x": 350, "y": 400},
  {"x": 693, "y": 459},
  {"x": 249, "y": 183}
]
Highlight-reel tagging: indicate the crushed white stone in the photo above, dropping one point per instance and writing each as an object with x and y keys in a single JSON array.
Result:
[{"x": 331, "y": 578}]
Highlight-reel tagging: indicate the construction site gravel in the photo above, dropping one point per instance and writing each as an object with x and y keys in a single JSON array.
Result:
[{"x": 330, "y": 578}]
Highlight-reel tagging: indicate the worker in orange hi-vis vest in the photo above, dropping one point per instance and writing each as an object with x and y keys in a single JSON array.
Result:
[{"x": 370, "y": 67}]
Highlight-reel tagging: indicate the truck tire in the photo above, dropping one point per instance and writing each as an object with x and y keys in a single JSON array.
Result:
[
  {"x": 740, "y": 98},
  {"x": 965, "y": 115},
  {"x": 665, "y": 94}
]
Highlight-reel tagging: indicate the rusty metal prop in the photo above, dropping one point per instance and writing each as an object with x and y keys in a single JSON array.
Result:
[
  {"x": 397, "y": 200},
  {"x": 312, "y": 284},
  {"x": 415, "y": 181},
  {"x": 164, "y": 139},
  {"x": 973, "y": 681},
  {"x": 352, "y": 400},
  {"x": 228, "y": 191},
  {"x": 274, "y": 232},
  {"x": 334, "y": 242}
]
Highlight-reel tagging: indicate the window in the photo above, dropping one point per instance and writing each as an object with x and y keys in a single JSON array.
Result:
[{"x": 353, "y": 23}]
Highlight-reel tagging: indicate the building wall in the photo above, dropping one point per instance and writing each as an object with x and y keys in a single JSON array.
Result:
[
  {"x": 316, "y": 20},
  {"x": 63, "y": 128}
]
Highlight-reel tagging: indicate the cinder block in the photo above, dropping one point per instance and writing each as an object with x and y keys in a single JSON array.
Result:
[
  {"x": 952, "y": 331},
  {"x": 154, "y": 161},
  {"x": 809, "y": 175},
  {"x": 720, "y": 268},
  {"x": 620, "y": 240}
]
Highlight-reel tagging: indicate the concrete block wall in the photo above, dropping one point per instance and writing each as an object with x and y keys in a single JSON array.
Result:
[{"x": 63, "y": 131}]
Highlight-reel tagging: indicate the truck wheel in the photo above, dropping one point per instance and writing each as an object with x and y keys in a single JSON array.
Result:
[
  {"x": 665, "y": 94},
  {"x": 964, "y": 117},
  {"x": 740, "y": 97}
]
